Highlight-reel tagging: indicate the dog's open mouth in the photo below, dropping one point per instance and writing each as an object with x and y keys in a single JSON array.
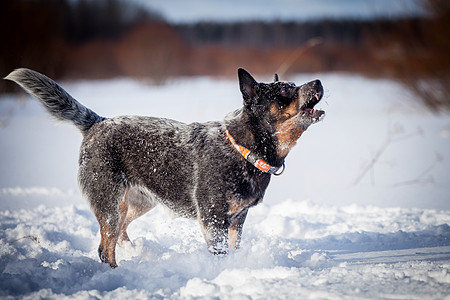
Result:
[{"x": 308, "y": 107}]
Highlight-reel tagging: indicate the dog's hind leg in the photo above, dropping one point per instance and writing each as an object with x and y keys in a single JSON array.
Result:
[
  {"x": 111, "y": 214},
  {"x": 135, "y": 204},
  {"x": 106, "y": 200},
  {"x": 109, "y": 236}
]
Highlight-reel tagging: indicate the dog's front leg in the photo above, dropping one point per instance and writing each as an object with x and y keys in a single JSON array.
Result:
[
  {"x": 215, "y": 232},
  {"x": 235, "y": 229}
]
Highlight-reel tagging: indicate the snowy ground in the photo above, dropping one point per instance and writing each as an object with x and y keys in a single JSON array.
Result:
[{"x": 362, "y": 211}]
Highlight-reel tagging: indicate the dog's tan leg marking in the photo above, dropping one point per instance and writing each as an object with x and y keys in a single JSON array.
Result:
[
  {"x": 233, "y": 237},
  {"x": 124, "y": 208},
  {"x": 235, "y": 229},
  {"x": 107, "y": 248},
  {"x": 233, "y": 234},
  {"x": 136, "y": 204},
  {"x": 237, "y": 210}
]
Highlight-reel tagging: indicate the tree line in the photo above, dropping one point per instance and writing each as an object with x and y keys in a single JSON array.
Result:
[{"x": 110, "y": 38}]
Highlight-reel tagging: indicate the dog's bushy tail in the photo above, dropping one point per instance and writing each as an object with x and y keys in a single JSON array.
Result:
[{"x": 54, "y": 98}]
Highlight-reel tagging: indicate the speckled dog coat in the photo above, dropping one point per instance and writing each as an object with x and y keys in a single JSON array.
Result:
[{"x": 213, "y": 172}]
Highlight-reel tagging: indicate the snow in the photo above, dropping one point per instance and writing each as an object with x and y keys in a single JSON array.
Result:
[{"x": 361, "y": 212}]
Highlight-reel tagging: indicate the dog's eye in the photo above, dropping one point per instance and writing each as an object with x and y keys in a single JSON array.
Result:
[{"x": 284, "y": 91}]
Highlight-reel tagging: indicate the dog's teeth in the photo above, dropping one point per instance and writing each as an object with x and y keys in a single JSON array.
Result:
[{"x": 317, "y": 97}]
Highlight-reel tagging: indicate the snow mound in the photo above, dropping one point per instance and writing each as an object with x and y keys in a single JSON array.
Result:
[{"x": 51, "y": 252}]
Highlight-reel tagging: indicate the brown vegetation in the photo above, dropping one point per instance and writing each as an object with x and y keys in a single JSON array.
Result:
[
  {"x": 418, "y": 54},
  {"x": 110, "y": 38}
]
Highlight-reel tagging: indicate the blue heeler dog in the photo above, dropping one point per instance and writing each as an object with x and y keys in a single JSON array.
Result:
[{"x": 213, "y": 172}]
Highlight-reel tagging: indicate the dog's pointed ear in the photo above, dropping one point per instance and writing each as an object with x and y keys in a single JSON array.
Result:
[
  {"x": 247, "y": 85},
  {"x": 276, "y": 78}
]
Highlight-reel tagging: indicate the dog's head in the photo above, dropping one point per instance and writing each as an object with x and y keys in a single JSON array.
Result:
[{"x": 280, "y": 108}]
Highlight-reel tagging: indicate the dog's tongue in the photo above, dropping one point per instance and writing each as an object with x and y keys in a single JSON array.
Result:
[{"x": 315, "y": 114}]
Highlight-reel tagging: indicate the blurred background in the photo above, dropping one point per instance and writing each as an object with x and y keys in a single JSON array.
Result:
[
  {"x": 372, "y": 176},
  {"x": 408, "y": 41}
]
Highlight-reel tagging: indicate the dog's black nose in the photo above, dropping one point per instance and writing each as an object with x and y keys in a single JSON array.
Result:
[
  {"x": 317, "y": 83},
  {"x": 314, "y": 84}
]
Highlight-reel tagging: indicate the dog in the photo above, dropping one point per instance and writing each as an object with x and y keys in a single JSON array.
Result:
[{"x": 212, "y": 172}]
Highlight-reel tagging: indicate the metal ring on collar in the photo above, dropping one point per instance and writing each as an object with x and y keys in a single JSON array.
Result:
[{"x": 280, "y": 172}]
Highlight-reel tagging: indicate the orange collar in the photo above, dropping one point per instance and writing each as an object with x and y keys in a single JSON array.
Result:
[{"x": 253, "y": 159}]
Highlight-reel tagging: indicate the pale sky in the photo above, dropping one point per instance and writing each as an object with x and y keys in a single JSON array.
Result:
[{"x": 182, "y": 11}]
